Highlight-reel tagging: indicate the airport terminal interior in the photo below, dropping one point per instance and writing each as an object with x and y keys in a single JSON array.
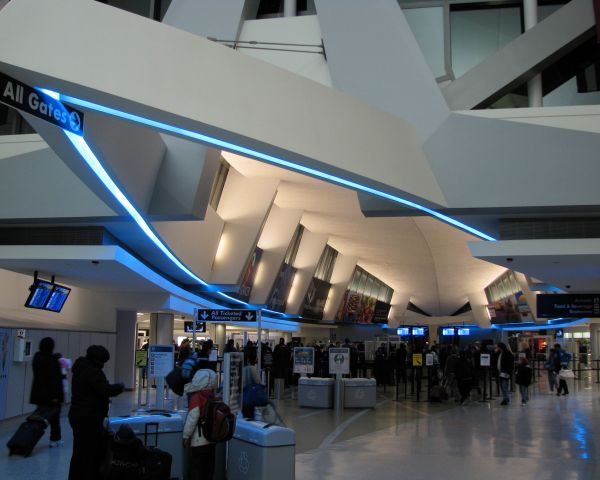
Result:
[{"x": 386, "y": 212}]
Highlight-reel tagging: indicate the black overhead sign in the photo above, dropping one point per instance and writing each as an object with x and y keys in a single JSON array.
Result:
[
  {"x": 188, "y": 327},
  {"x": 224, "y": 316},
  {"x": 568, "y": 305},
  {"x": 29, "y": 100}
]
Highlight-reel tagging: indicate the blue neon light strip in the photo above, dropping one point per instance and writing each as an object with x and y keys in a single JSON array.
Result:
[{"x": 271, "y": 159}]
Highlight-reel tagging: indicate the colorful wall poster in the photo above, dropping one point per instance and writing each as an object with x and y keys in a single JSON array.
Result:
[
  {"x": 315, "y": 299},
  {"x": 249, "y": 275},
  {"x": 281, "y": 288}
]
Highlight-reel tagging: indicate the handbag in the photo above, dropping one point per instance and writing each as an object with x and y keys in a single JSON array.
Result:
[
  {"x": 255, "y": 395},
  {"x": 175, "y": 381},
  {"x": 565, "y": 373}
]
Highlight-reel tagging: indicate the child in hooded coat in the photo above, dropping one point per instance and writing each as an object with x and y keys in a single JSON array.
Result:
[{"x": 201, "y": 452}]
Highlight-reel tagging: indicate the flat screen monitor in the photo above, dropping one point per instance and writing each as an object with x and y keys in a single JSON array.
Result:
[
  {"x": 188, "y": 327},
  {"x": 464, "y": 331},
  {"x": 57, "y": 298},
  {"x": 418, "y": 331},
  {"x": 448, "y": 332},
  {"x": 403, "y": 332},
  {"x": 39, "y": 294}
]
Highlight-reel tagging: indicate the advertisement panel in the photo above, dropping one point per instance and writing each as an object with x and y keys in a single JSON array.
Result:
[
  {"x": 339, "y": 360},
  {"x": 247, "y": 280},
  {"x": 315, "y": 299},
  {"x": 233, "y": 364},
  {"x": 304, "y": 360},
  {"x": 281, "y": 288},
  {"x": 381, "y": 313}
]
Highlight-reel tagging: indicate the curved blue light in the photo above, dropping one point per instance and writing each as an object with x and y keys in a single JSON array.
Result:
[
  {"x": 90, "y": 158},
  {"x": 271, "y": 159}
]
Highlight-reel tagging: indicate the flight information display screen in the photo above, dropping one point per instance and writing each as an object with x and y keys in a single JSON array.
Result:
[
  {"x": 39, "y": 293},
  {"x": 57, "y": 298}
]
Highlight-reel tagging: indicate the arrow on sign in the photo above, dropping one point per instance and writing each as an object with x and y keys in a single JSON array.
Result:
[
  {"x": 249, "y": 316},
  {"x": 204, "y": 315}
]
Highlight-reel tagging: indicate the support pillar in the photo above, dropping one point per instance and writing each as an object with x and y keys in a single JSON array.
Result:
[
  {"x": 595, "y": 340},
  {"x": 161, "y": 328},
  {"x": 125, "y": 348},
  {"x": 534, "y": 86},
  {"x": 289, "y": 8},
  {"x": 287, "y": 337},
  {"x": 220, "y": 337}
]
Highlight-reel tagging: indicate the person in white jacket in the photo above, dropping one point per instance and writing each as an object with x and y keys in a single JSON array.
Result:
[{"x": 201, "y": 452}]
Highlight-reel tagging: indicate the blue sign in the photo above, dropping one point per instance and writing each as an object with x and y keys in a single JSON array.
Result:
[{"x": 35, "y": 102}]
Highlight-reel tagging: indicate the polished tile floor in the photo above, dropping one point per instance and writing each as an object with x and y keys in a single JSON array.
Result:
[{"x": 550, "y": 438}]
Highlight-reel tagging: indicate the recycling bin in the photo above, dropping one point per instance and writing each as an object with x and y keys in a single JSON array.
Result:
[
  {"x": 315, "y": 392},
  {"x": 161, "y": 429},
  {"x": 360, "y": 392},
  {"x": 261, "y": 451}
]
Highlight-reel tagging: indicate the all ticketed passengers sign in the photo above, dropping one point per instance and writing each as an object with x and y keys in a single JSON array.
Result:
[{"x": 35, "y": 102}]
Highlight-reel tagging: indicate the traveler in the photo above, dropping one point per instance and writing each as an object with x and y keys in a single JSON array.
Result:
[
  {"x": 249, "y": 377},
  {"x": 401, "y": 355},
  {"x": 549, "y": 366},
  {"x": 464, "y": 376},
  {"x": 523, "y": 379},
  {"x": 47, "y": 391},
  {"x": 353, "y": 357},
  {"x": 505, "y": 366},
  {"x": 561, "y": 362},
  {"x": 230, "y": 347},
  {"x": 204, "y": 360},
  {"x": 281, "y": 359},
  {"x": 89, "y": 406},
  {"x": 450, "y": 373},
  {"x": 201, "y": 452},
  {"x": 184, "y": 351}
]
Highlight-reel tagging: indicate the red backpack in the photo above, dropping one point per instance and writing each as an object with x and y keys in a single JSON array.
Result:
[{"x": 218, "y": 424}]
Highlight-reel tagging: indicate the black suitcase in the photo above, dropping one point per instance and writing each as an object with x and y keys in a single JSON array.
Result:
[
  {"x": 157, "y": 464},
  {"x": 25, "y": 438}
]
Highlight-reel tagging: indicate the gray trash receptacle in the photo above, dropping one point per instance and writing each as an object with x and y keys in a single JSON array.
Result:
[
  {"x": 360, "y": 392},
  {"x": 168, "y": 428},
  {"x": 315, "y": 392},
  {"x": 261, "y": 451}
]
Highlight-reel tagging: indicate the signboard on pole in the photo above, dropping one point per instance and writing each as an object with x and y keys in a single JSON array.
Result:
[
  {"x": 417, "y": 359},
  {"x": 304, "y": 360},
  {"x": 339, "y": 360},
  {"x": 429, "y": 359},
  {"x": 484, "y": 360},
  {"x": 141, "y": 358},
  {"x": 233, "y": 365},
  {"x": 161, "y": 359},
  {"x": 226, "y": 316}
]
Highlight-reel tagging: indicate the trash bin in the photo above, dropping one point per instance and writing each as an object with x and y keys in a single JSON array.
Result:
[
  {"x": 315, "y": 392},
  {"x": 360, "y": 392},
  {"x": 161, "y": 429},
  {"x": 261, "y": 451}
]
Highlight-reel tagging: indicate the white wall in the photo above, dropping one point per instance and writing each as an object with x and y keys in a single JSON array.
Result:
[
  {"x": 244, "y": 206},
  {"x": 274, "y": 240},
  {"x": 72, "y": 344},
  {"x": 194, "y": 242},
  {"x": 309, "y": 253},
  {"x": 340, "y": 278}
]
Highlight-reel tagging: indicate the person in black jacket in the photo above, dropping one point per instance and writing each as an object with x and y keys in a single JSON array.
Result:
[
  {"x": 504, "y": 364},
  {"x": 89, "y": 406},
  {"x": 47, "y": 388}
]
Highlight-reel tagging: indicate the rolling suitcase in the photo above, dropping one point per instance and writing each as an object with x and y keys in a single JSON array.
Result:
[
  {"x": 26, "y": 437},
  {"x": 157, "y": 464}
]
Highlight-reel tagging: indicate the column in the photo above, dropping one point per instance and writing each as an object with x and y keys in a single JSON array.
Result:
[
  {"x": 534, "y": 86},
  {"x": 289, "y": 8},
  {"x": 125, "y": 348},
  {"x": 287, "y": 337},
  {"x": 161, "y": 328},
  {"x": 220, "y": 337},
  {"x": 595, "y": 341}
]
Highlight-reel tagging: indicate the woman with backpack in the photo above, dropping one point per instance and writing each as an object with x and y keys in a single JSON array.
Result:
[{"x": 201, "y": 452}]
